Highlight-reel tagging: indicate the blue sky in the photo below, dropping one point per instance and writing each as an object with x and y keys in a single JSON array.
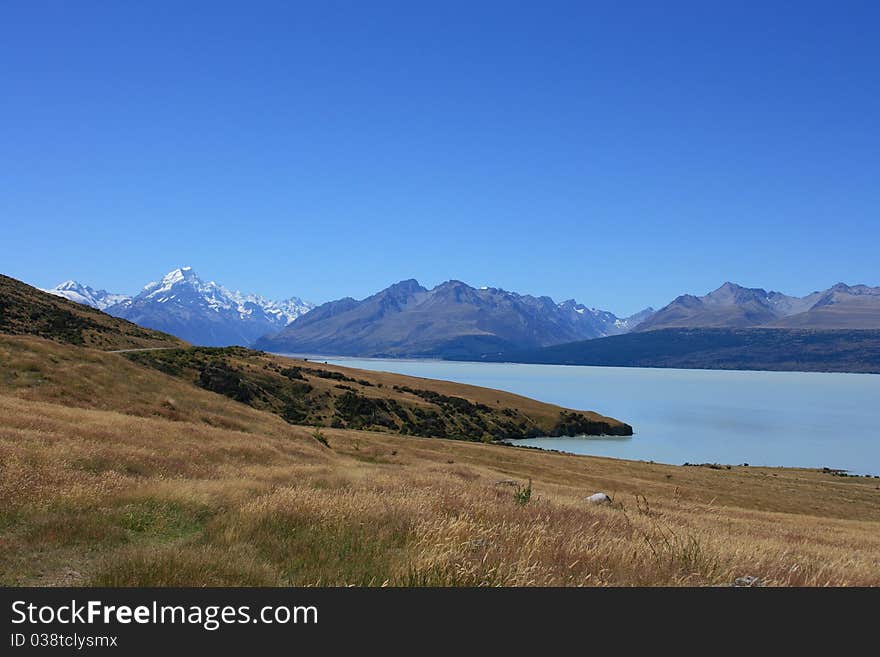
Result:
[{"x": 620, "y": 153}]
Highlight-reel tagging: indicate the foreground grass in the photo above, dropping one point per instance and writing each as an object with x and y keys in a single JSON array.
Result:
[{"x": 99, "y": 497}]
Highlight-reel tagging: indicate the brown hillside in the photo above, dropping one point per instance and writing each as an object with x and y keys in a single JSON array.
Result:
[
  {"x": 181, "y": 384},
  {"x": 25, "y": 310}
]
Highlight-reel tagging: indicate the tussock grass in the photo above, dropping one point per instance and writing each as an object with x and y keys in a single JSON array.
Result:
[{"x": 201, "y": 565}]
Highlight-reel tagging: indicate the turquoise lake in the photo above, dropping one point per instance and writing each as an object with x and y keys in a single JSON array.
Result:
[{"x": 698, "y": 416}]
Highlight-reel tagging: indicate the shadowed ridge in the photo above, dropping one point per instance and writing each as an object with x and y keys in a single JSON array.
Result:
[{"x": 25, "y": 310}]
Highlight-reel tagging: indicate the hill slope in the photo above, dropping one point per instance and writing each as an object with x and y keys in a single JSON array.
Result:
[
  {"x": 187, "y": 384},
  {"x": 306, "y": 393},
  {"x": 25, "y": 310}
]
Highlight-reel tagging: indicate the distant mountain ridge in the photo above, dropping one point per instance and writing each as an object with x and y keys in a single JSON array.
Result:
[
  {"x": 451, "y": 320},
  {"x": 200, "y": 312},
  {"x": 733, "y": 306},
  {"x": 841, "y": 306},
  {"x": 455, "y": 320},
  {"x": 79, "y": 293},
  {"x": 734, "y": 327},
  {"x": 779, "y": 349}
]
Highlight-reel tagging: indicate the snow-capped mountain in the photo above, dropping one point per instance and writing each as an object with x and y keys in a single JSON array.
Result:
[
  {"x": 206, "y": 313},
  {"x": 200, "y": 312},
  {"x": 284, "y": 311},
  {"x": 86, "y": 295}
]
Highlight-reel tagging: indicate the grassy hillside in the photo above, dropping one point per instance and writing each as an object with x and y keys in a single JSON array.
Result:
[
  {"x": 306, "y": 393},
  {"x": 34, "y": 369},
  {"x": 25, "y": 310},
  {"x": 187, "y": 384},
  {"x": 797, "y": 350},
  {"x": 114, "y": 473}
]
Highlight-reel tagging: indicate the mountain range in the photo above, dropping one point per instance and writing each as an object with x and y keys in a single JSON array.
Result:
[
  {"x": 88, "y": 296},
  {"x": 457, "y": 321},
  {"x": 452, "y": 319},
  {"x": 733, "y": 306},
  {"x": 182, "y": 304},
  {"x": 733, "y": 327}
]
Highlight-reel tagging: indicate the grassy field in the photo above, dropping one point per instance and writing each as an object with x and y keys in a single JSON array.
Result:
[{"x": 115, "y": 473}]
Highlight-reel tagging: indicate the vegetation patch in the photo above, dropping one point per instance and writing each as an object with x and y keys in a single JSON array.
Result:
[
  {"x": 457, "y": 404},
  {"x": 182, "y": 566},
  {"x": 60, "y": 528},
  {"x": 316, "y": 396},
  {"x": 360, "y": 412},
  {"x": 572, "y": 423},
  {"x": 151, "y": 517}
]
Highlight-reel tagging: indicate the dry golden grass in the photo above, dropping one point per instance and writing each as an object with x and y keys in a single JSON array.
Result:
[
  {"x": 101, "y": 486},
  {"x": 36, "y": 369}
]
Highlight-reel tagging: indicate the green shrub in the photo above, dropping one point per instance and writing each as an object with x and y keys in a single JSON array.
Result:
[{"x": 523, "y": 494}]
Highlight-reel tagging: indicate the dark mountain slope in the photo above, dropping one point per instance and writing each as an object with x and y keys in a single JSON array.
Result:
[
  {"x": 25, "y": 310},
  {"x": 806, "y": 350},
  {"x": 451, "y": 320}
]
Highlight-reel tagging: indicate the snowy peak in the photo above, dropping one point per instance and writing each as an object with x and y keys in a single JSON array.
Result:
[
  {"x": 284, "y": 311},
  {"x": 183, "y": 285},
  {"x": 181, "y": 276},
  {"x": 201, "y": 312},
  {"x": 79, "y": 293}
]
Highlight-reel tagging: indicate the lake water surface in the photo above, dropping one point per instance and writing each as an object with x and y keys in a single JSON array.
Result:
[{"x": 697, "y": 416}]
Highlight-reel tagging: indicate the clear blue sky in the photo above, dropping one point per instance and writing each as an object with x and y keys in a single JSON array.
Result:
[{"x": 620, "y": 153}]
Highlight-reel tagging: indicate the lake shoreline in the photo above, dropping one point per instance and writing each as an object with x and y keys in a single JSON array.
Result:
[
  {"x": 429, "y": 359},
  {"x": 837, "y": 472},
  {"x": 684, "y": 415}
]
